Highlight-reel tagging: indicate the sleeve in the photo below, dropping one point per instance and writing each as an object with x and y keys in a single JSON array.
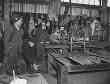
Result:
[{"x": 7, "y": 33}]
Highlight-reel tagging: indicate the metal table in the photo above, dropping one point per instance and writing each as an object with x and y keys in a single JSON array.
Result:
[{"x": 64, "y": 69}]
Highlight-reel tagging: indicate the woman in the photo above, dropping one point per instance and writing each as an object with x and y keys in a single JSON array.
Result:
[
  {"x": 30, "y": 46},
  {"x": 42, "y": 38},
  {"x": 13, "y": 42},
  {"x": 1, "y": 43}
]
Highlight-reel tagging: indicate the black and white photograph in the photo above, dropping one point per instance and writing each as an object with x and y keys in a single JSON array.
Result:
[{"x": 54, "y": 42}]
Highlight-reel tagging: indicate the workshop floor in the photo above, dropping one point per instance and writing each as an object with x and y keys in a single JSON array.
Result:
[
  {"x": 4, "y": 79},
  {"x": 50, "y": 79}
]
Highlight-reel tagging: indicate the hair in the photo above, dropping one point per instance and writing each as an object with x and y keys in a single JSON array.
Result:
[{"x": 15, "y": 18}]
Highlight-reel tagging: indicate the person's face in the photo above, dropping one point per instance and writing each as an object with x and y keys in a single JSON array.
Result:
[
  {"x": 57, "y": 31},
  {"x": 19, "y": 22},
  {"x": 35, "y": 24},
  {"x": 48, "y": 24},
  {"x": 39, "y": 21},
  {"x": 96, "y": 24},
  {"x": 31, "y": 20},
  {"x": 43, "y": 26}
]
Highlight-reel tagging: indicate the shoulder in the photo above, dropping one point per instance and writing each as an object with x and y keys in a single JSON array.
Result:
[
  {"x": 8, "y": 29},
  {"x": 8, "y": 26}
]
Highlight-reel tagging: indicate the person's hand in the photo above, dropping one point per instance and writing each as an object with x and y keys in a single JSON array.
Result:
[
  {"x": 36, "y": 67},
  {"x": 31, "y": 44}
]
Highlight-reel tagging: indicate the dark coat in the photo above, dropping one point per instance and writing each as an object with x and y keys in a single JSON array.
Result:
[
  {"x": 28, "y": 51},
  {"x": 12, "y": 43},
  {"x": 42, "y": 36},
  {"x": 1, "y": 42}
]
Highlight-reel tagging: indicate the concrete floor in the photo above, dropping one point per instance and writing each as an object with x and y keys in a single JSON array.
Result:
[
  {"x": 4, "y": 79},
  {"x": 102, "y": 77},
  {"x": 99, "y": 77},
  {"x": 50, "y": 79}
]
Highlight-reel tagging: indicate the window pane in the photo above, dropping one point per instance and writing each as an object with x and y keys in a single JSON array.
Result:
[
  {"x": 94, "y": 2},
  {"x": 90, "y": 2},
  {"x": 85, "y": 2},
  {"x": 75, "y": 1},
  {"x": 65, "y": 0},
  {"x": 108, "y": 4}
]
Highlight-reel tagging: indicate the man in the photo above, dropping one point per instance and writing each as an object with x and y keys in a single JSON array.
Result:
[
  {"x": 55, "y": 37},
  {"x": 1, "y": 42},
  {"x": 42, "y": 38},
  {"x": 13, "y": 41},
  {"x": 29, "y": 46}
]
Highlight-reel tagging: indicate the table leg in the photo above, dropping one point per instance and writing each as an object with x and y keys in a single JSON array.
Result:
[{"x": 62, "y": 75}]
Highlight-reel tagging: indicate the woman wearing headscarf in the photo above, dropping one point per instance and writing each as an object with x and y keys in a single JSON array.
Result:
[
  {"x": 13, "y": 41},
  {"x": 30, "y": 46}
]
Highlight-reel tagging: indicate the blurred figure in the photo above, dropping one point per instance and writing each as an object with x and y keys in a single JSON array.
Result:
[
  {"x": 30, "y": 46},
  {"x": 55, "y": 37},
  {"x": 93, "y": 26},
  {"x": 1, "y": 43},
  {"x": 87, "y": 30},
  {"x": 31, "y": 25},
  {"x": 42, "y": 38},
  {"x": 48, "y": 24},
  {"x": 13, "y": 42},
  {"x": 96, "y": 29}
]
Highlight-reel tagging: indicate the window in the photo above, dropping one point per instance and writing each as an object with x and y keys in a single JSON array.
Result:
[
  {"x": 65, "y": 0},
  {"x": 94, "y": 2},
  {"x": 89, "y": 2},
  {"x": 108, "y": 4}
]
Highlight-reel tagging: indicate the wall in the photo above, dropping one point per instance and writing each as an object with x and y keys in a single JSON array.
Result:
[
  {"x": 81, "y": 10},
  {"x": 42, "y": 8},
  {"x": 32, "y": 8}
]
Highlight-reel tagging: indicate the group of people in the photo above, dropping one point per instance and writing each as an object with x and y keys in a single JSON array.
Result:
[
  {"x": 22, "y": 39},
  {"x": 34, "y": 51},
  {"x": 88, "y": 28},
  {"x": 23, "y": 47}
]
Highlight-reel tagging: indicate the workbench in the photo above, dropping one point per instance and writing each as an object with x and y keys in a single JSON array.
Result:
[
  {"x": 50, "y": 48},
  {"x": 74, "y": 73}
]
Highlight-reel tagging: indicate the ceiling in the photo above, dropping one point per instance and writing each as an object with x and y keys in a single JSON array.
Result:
[{"x": 30, "y": 1}]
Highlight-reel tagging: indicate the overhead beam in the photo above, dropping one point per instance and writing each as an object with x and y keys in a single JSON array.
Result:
[{"x": 32, "y": 1}]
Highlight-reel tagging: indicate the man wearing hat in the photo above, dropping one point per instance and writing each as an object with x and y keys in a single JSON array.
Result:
[{"x": 13, "y": 41}]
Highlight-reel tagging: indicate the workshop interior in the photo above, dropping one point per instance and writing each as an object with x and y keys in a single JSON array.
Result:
[{"x": 54, "y": 42}]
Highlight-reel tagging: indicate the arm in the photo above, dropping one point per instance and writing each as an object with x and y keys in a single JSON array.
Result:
[{"x": 7, "y": 33}]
